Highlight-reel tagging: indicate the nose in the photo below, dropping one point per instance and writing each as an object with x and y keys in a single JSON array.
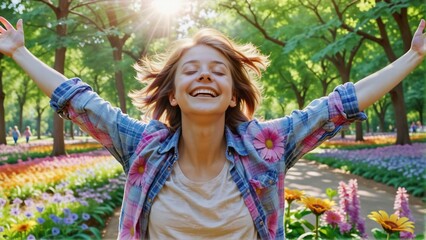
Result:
[{"x": 205, "y": 76}]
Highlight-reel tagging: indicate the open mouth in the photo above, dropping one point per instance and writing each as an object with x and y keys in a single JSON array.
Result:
[{"x": 202, "y": 92}]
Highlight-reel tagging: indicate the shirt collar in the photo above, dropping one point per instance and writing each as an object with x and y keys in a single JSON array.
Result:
[{"x": 233, "y": 143}]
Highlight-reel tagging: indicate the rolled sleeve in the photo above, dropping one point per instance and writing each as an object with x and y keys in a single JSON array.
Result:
[
  {"x": 120, "y": 134},
  {"x": 65, "y": 92},
  {"x": 349, "y": 102}
]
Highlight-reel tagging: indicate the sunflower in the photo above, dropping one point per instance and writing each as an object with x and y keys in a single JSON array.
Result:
[
  {"x": 392, "y": 223},
  {"x": 23, "y": 227},
  {"x": 318, "y": 206},
  {"x": 291, "y": 194}
]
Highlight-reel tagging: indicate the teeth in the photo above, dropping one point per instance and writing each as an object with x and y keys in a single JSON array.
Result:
[{"x": 203, "y": 91}]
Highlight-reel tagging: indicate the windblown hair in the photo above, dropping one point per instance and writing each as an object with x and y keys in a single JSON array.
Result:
[{"x": 246, "y": 64}]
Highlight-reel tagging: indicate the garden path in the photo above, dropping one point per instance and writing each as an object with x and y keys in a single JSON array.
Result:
[{"x": 314, "y": 178}]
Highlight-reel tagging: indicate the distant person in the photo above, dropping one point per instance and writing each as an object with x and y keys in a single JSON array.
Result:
[
  {"x": 15, "y": 134},
  {"x": 27, "y": 133},
  {"x": 419, "y": 126},
  {"x": 413, "y": 127}
]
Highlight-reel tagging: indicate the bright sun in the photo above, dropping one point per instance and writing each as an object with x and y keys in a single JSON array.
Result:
[{"x": 167, "y": 7}]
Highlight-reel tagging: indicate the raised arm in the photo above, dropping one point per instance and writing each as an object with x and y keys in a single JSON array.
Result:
[
  {"x": 12, "y": 44},
  {"x": 373, "y": 87}
]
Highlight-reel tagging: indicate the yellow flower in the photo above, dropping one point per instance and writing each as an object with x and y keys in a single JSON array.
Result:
[
  {"x": 318, "y": 206},
  {"x": 291, "y": 194},
  {"x": 23, "y": 227},
  {"x": 392, "y": 223}
]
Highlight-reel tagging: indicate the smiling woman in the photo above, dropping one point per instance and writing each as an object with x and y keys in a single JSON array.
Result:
[{"x": 167, "y": 7}]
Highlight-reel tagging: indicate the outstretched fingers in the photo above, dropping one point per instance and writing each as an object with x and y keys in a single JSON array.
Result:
[
  {"x": 421, "y": 27},
  {"x": 6, "y": 24}
]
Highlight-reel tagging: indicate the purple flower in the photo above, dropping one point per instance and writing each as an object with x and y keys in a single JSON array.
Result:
[
  {"x": 29, "y": 214},
  {"x": 344, "y": 197},
  {"x": 344, "y": 227},
  {"x": 356, "y": 208},
  {"x": 402, "y": 209},
  {"x": 1, "y": 229},
  {"x": 55, "y": 231},
  {"x": 28, "y": 202},
  {"x": 40, "y": 208},
  {"x": 84, "y": 226},
  {"x": 41, "y": 220},
  {"x": 67, "y": 211},
  {"x": 86, "y": 216},
  {"x": 31, "y": 237},
  {"x": 2, "y": 202},
  {"x": 57, "y": 198},
  {"x": 74, "y": 216},
  {"x": 55, "y": 218},
  {"x": 14, "y": 211},
  {"x": 17, "y": 201},
  {"x": 68, "y": 221}
]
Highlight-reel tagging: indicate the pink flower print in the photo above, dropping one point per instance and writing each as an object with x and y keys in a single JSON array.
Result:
[
  {"x": 136, "y": 172},
  {"x": 270, "y": 144},
  {"x": 128, "y": 231}
]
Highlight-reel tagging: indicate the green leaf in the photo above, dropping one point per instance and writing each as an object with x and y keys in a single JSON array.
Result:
[
  {"x": 95, "y": 232},
  {"x": 99, "y": 219},
  {"x": 82, "y": 236},
  {"x": 379, "y": 234},
  {"x": 330, "y": 193}
]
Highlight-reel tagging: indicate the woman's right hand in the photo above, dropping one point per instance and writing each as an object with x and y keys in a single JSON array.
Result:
[{"x": 10, "y": 38}]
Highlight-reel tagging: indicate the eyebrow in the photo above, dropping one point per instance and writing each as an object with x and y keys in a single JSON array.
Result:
[{"x": 196, "y": 61}]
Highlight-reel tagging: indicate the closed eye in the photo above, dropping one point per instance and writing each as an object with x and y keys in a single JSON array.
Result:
[{"x": 190, "y": 72}]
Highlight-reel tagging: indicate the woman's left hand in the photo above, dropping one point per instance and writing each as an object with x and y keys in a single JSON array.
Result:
[{"x": 418, "y": 44}]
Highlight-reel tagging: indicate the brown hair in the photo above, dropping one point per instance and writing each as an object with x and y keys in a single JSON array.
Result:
[{"x": 246, "y": 64}]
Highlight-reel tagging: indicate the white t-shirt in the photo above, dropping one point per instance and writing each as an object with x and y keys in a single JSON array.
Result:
[{"x": 214, "y": 209}]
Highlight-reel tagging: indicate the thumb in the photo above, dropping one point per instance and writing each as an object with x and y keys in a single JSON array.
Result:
[{"x": 19, "y": 25}]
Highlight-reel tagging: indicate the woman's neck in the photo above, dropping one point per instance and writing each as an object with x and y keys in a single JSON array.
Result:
[{"x": 202, "y": 148}]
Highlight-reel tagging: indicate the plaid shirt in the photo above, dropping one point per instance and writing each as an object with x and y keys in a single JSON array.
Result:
[{"x": 260, "y": 153}]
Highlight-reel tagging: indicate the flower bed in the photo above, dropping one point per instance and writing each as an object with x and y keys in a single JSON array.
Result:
[
  {"x": 59, "y": 197},
  {"x": 396, "y": 165},
  {"x": 343, "y": 220},
  {"x": 13, "y": 154},
  {"x": 370, "y": 141}
]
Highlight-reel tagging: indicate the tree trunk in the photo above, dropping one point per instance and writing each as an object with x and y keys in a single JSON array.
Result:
[
  {"x": 61, "y": 32},
  {"x": 38, "y": 125},
  {"x": 401, "y": 123},
  {"x": 58, "y": 122},
  {"x": 71, "y": 130},
  {"x": 367, "y": 125},
  {"x": 358, "y": 132},
  {"x": 2, "y": 110}
]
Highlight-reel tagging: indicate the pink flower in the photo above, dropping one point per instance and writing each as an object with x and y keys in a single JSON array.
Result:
[
  {"x": 136, "y": 172},
  {"x": 334, "y": 218},
  {"x": 270, "y": 144}
]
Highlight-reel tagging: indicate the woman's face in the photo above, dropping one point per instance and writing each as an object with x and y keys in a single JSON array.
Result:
[{"x": 203, "y": 82}]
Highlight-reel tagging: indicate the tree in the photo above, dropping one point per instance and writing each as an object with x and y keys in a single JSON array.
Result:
[
  {"x": 398, "y": 11},
  {"x": 62, "y": 11},
  {"x": 380, "y": 107},
  {"x": 23, "y": 91},
  {"x": 340, "y": 53},
  {"x": 112, "y": 21}
]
